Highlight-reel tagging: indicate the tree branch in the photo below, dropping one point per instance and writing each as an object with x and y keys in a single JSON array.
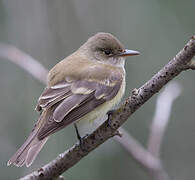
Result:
[{"x": 70, "y": 157}]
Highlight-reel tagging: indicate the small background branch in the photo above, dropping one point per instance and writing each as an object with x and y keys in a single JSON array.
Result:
[
  {"x": 161, "y": 118},
  {"x": 24, "y": 61}
]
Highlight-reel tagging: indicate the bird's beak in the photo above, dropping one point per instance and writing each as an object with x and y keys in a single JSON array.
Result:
[{"x": 128, "y": 52}]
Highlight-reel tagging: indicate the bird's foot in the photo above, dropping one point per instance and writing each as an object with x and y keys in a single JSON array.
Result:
[{"x": 110, "y": 113}]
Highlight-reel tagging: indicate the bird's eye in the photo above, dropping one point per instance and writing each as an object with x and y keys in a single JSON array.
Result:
[{"x": 107, "y": 51}]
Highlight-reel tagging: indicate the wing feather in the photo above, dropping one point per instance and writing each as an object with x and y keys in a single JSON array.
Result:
[
  {"x": 67, "y": 105},
  {"x": 54, "y": 94}
]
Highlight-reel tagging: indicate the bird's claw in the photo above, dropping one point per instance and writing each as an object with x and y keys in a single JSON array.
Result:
[{"x": 110, "y": 113}]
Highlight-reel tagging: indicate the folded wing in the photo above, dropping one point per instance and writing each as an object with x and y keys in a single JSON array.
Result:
[{"x": 70, "y": 101}]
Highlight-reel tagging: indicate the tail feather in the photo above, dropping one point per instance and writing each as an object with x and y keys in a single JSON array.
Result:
[
  {"x": 34, "y": 151},
  {"x": 27, "y": 153}
]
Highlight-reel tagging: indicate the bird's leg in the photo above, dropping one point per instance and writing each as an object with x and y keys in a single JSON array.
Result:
[
  {"x": 80, "y": 138},
  {"x": 110, "y": 113},
  {"x": 77, "y": 132}
]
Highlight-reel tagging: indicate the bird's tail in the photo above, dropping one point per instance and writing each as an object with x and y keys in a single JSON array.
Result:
[{"x": 27, "y": 153}]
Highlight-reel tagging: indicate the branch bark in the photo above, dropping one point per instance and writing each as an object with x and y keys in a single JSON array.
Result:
[{"x": 70, "y": 157}]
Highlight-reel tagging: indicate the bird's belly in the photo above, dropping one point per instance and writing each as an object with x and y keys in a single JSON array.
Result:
[{"x": 101, "y": 110}]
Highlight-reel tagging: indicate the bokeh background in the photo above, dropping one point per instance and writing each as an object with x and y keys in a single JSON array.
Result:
[{"x": 49, "y": 31}]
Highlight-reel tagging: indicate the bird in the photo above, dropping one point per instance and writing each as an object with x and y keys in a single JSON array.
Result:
[{"x": 82, "y": 87}]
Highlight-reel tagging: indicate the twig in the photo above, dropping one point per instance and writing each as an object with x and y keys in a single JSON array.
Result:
[
  {"x": 163, "y": 110},
  {"x": 104, "y": 132},
  {"x": 142, "y": 156},
  {"x": 25, "y": 61}
]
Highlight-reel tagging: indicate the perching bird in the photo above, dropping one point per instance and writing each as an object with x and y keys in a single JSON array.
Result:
[{"x": 82, "y": 87}]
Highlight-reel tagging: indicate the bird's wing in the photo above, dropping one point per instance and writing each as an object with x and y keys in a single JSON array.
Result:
[{"x": 69, "y": 101}]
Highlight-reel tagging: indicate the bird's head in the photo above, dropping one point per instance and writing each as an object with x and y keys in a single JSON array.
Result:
[{"x": 106, "y": 48}]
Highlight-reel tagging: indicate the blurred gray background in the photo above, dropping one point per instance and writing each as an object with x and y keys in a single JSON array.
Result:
[{"x": 49, "y": 31}]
